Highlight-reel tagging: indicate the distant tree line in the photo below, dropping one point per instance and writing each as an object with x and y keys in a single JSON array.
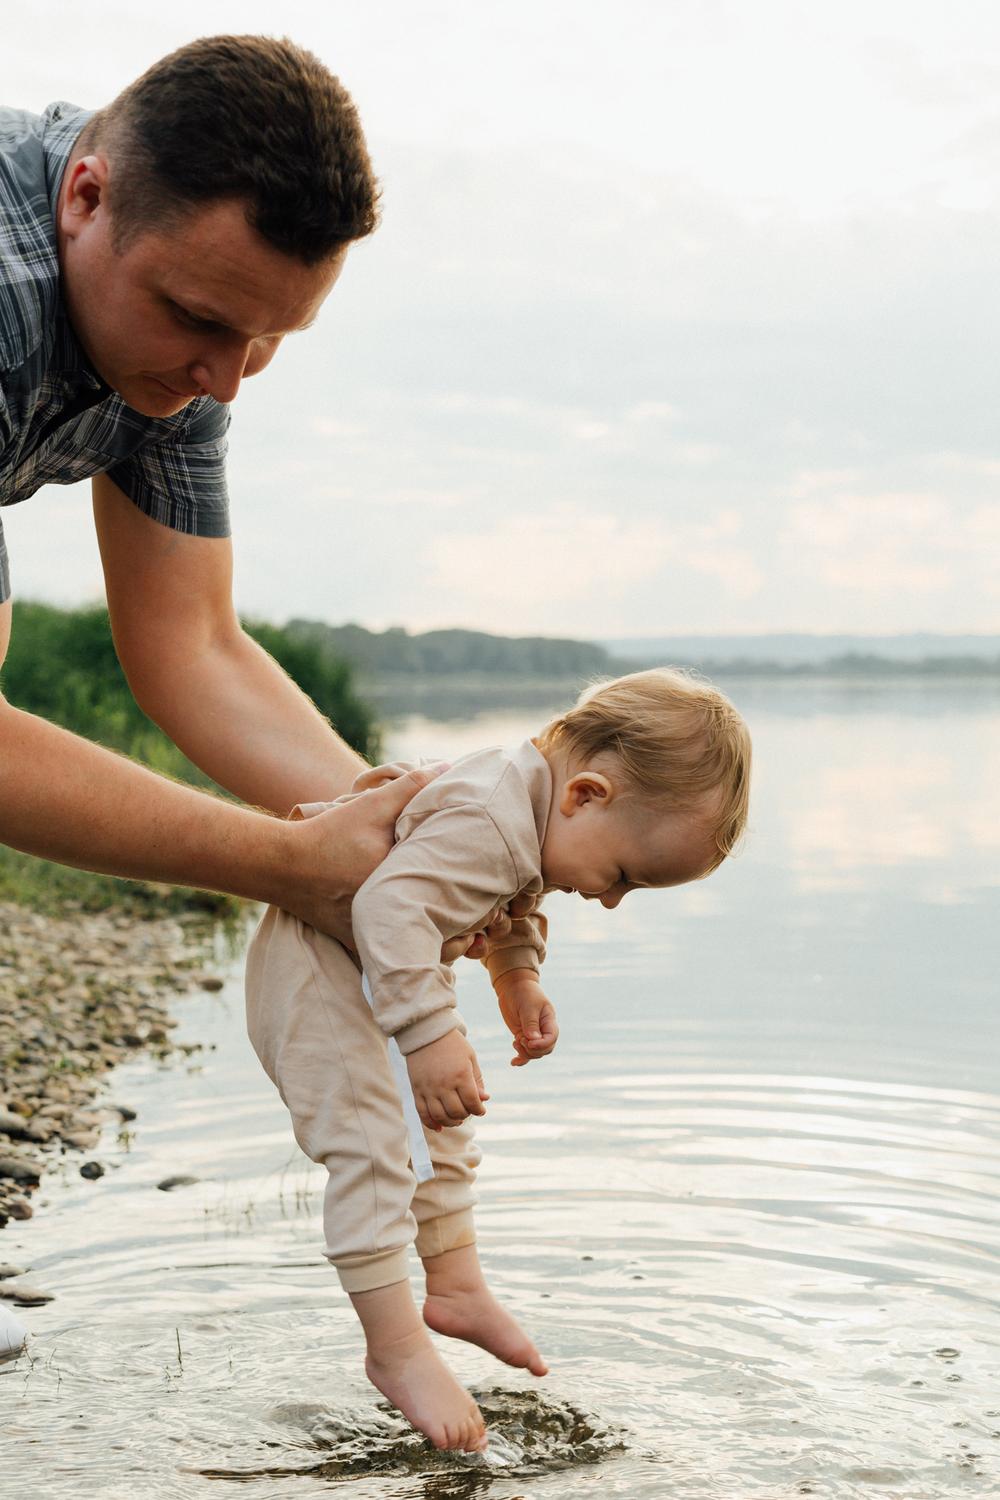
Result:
[
  {"x": 395, "y": 653},
  {"x": 854, "y": 664},
  {"x": 441, "y": 653}
]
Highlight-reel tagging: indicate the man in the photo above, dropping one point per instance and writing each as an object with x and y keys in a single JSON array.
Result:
[{"x": 154, "y": 255}]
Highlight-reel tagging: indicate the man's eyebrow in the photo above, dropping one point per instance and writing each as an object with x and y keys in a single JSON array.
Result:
[{"x": 206, "y": 314}]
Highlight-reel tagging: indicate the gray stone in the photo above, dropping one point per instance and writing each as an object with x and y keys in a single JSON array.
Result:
[
  {"x": 20, "y": 1169},
  {"x": 92, "y": 1170},
  {"x": 169, "y": 1183},
  {"x": 24, "y": 1294}
]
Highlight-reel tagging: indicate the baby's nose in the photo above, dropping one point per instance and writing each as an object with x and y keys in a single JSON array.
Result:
[{"x": 611, "y": 898}]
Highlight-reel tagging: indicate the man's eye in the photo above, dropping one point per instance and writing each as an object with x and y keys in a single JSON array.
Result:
[{"x": 188, "y": 320}]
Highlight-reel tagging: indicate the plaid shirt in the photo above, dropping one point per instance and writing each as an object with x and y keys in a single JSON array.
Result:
[{"x": 59, "y": 422}]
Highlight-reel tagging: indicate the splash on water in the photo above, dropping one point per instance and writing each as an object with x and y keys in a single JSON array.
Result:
[{"x": 528, "y": 1435}]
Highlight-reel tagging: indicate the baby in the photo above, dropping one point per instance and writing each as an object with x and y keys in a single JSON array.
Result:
[{"x": 644, "y": 783}]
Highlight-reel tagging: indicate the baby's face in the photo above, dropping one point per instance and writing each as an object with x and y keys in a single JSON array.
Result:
[{"x": 602, "y": 845}]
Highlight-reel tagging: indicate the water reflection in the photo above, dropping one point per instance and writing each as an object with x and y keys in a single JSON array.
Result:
[{"x": 748, "y": 1208}]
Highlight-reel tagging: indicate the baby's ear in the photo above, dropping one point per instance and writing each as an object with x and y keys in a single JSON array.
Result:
[{"x": 583, "y": 788}]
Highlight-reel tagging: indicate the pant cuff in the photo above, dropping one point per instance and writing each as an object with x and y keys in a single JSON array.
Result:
[
  {"x": 447, "y": 1232},
  {"x": 365, "y": 1273}
]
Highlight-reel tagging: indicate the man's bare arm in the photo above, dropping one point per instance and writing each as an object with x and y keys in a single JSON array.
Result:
[
  {"x": 213, "y": 690},
  {"x": 65, "y": 799}
]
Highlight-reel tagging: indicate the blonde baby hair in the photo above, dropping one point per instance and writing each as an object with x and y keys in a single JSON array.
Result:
[{"x": 676, "y": 738}]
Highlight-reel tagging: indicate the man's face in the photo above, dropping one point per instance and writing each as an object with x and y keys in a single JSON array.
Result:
[{"x": 183, "y": 311}]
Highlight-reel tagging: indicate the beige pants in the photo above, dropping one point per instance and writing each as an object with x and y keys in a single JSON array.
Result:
[{"x": 315, "y": 1035}]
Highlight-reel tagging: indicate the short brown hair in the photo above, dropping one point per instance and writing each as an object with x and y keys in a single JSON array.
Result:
[
  {"x": 248, "y": 118},
  {"x": 676, "y": 738}
]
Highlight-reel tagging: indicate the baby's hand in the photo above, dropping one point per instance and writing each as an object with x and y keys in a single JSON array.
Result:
[
  {"x": 529, "y": 1014},
  {"x": 447, "y": 1084}
]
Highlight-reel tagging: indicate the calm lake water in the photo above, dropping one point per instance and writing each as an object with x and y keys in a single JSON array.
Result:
[{"x": 748, "y": 1208}]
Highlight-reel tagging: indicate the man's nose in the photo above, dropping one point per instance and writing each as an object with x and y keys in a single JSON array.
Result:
[{"x": 220, "y": 373}]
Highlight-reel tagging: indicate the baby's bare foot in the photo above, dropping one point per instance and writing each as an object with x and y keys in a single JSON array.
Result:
[
  {"x": 467, "y": 1309},
  {"x": 412, "y": 1375}
]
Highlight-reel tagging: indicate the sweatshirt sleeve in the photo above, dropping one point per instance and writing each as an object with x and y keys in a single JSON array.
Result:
[
  {"x": 522, "y": 948},
  {"x": 446, "y": 877}
]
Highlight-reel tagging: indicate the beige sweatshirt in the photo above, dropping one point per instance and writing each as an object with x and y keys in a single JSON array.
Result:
[{"x": 466, "y": 845}]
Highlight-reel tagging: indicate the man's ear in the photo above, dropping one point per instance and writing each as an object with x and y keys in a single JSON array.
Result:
[
  {"x": 84, "y": 193},
  {"x": 584, "y": 787}
]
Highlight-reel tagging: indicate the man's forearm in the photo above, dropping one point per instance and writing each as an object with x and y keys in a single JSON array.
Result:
[
  {"x": 67, "y": 800},
  {"x": 244, "y": 722}
]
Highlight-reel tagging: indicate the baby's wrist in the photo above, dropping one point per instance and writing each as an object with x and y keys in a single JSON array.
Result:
[{"x": 515, "y": 979}]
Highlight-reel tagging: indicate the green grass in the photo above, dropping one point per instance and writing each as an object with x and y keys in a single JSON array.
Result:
[
  {"x": 54, "y": 889},
  {"x": 62, "y": 665}
]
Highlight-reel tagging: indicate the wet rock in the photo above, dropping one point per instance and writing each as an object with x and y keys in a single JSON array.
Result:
[
  {"x": 24, "y": 1293},
  {"x": 20, "y": 1208},
  {"x": 210, "y": 982},
  {"x": 170, "y": 1183},
  {"x": 20, "y": 1169},
  {"x": 78, "y": 992},
  {"x": 92, "y": 1170},
  {"x": 81, "y": 1140}
]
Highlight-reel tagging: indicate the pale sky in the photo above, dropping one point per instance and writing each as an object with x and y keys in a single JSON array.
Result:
[{"x": 682, "y": 318}]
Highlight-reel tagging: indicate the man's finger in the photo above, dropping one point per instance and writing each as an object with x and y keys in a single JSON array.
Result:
[
  {"x": 375, "y": 776},
  {"x": 389, "y": 800}
]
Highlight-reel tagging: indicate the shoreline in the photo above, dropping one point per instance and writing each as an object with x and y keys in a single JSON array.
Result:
[{"x": 79, "y": 993}]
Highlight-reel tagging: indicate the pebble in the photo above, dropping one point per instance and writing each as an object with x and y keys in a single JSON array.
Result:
[
  {"x": 169, "y": 1183},
  {"x": 6, "y": 1270},
  {"x": 77, "y": 994},
  {"x": 24, "y": 1293},
  {"x": 20, "y": 1169},
  {"x": 81, "y": 1140},
  {"x": 210, "y": 982},
  {"x": 92, "y": 1170}
]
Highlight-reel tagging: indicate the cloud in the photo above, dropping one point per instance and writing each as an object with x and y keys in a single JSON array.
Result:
[
  {"x": 571, "y": 559},
  {"x": 919, "y": 543}
]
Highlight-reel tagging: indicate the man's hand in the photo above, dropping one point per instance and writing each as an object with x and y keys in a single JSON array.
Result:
[
  {"x": 446, "y": 1081},
  {"x": 337, "y": 850},
  {"x": 497, "y": 924},
  {"x": 528, "y": 1013}
]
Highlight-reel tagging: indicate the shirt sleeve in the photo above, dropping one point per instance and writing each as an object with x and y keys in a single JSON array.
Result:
[
  {"x": 522, "y": 948},
  {"x": 180, "y": 480},
  {"x": 444, "y": 878}
]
